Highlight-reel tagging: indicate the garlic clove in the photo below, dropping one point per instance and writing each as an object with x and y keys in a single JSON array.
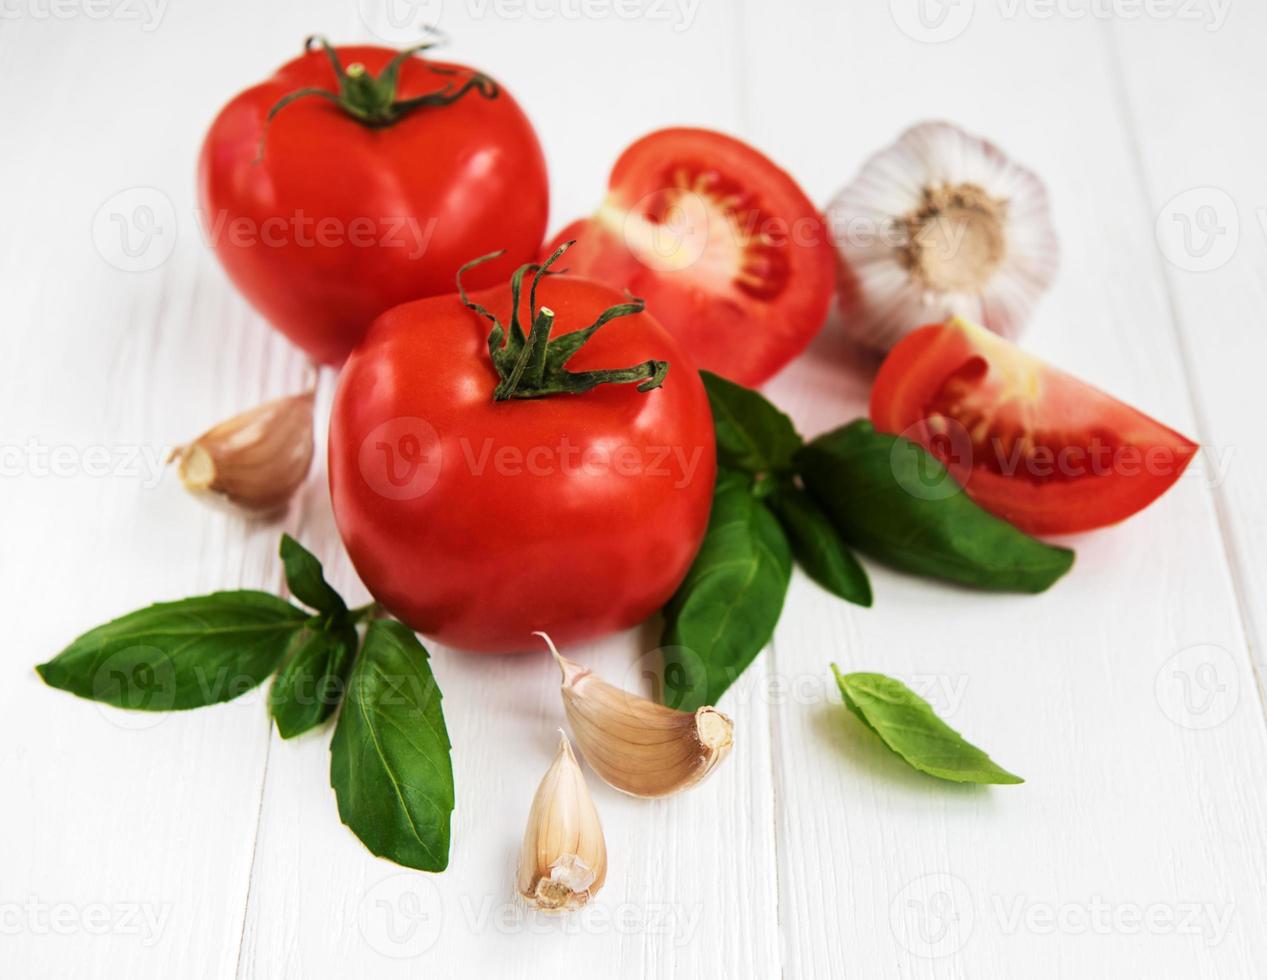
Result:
[
  {"x": 257, "y": 459},
  {"x": 941, "y": 224},
  {"x": 563, "y": 861},
  {"x": 635, "y": 745}
]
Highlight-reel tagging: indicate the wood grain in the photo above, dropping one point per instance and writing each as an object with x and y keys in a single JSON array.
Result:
[{"x": 812, "y": 853}]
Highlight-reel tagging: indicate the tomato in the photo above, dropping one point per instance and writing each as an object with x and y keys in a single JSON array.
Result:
[
  {"x": 1028, "y": 442},
  {"x": 344, "y": 206},
  {"x": 478, "y": 521},
  {"x": 722, "y": 244}
]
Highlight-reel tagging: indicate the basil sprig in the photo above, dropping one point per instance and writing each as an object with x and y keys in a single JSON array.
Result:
[
  {"x": 307, "y": 580},
  {"x": 390, "y": 757},
  {"x": 179, "y": 655},
  {"x": 907, "y": 724},
  {"x": 851, "y": 488},
  {"x": 725, "y": 611},
  {"x": 310, "y": 684},
  {"x": 892, "y": 499},
  {"x": 818, "y": 547},
  {"x": 753, "y": 436},
  {"x": 726, "y": 608}
]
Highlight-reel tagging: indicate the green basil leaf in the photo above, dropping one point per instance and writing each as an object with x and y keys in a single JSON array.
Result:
[
  {"x": 891, "y": 498},
  {"x": 726, "y": 608},
  {"x": 389, "y": 758},
  {"x": 306, "y": 579},
  {"x": 907, "y": 724},
  {"x": 177, "y": 655},
  {"x": 752, "y": 435},
  {"x": 311, "y": 682},
  {"x": 817, "y": 546}
]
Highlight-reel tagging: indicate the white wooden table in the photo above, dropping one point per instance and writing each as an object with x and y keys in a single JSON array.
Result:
[{"x": 201, "y": 845}]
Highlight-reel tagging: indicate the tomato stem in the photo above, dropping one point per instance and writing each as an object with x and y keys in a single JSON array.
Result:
[
  {"x": 371, "y": 100},
  {"x": 533, "y": 365}
]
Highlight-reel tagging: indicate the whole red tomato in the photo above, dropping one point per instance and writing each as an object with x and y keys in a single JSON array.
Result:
[
  {"x": 484, "y": 492},
  {"x": 367, "y": 189}
]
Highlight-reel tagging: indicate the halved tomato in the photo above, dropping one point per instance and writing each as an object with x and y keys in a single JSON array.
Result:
[
  {"x": 1027, "y": 441},
  {"x": 726, "y": 249}
]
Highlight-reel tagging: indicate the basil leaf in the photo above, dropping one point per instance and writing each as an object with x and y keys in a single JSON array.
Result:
[
  {"x": 752, "y": 435},
  {"x": 389, "y": 758},
  {"x": 907, "y": 724},
  {"x": 889, "y": 497},
  {"x": 310, "y": 683},
  {"x": 726, "y": 608},
  {"x": 306, "y": 579},
  {"x": 177, "y": 655},
  {"x": 817, "y": 546}
]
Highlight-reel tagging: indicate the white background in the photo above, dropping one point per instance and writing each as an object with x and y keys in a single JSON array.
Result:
[{"x": 201, "y": 845}]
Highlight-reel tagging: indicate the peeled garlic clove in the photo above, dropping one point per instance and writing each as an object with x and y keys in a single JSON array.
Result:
[
  {"x": 941, "y": 224},
  {"x": 563, "y": 862},
  {"x": 257, "y": 459},
  {"x": 637, "y": 746}
]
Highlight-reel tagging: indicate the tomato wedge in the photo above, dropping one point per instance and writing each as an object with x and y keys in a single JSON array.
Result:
[
  {"x": 1027, "y": 441},
  {"x": 726, "y": 249}
]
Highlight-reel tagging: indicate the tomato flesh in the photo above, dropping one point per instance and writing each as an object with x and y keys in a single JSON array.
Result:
[
  {"x": 726, "y": 249},
  {"x": 477, "y": 522},
  {"x": 334, "y": 222},
  {"x": 1029, "y": 442}
]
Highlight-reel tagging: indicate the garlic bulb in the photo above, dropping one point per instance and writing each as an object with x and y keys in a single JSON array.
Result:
[
  {"x": 257, "y": 459},
  {"x": 563, "y": 861},
  {"x": 941, "y": 224},
  {"x": 637, "y": 746}
]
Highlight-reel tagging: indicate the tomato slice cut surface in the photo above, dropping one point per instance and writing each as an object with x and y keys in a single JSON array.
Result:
[
  {"x": 1029, "y": 442},
  {"x": 726, "y": 249}
]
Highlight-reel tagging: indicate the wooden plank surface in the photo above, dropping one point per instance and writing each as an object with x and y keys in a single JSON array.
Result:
[{"x": 201, "y": 845}]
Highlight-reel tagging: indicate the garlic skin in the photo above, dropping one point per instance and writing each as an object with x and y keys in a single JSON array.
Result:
[
  {"x": 563, "y": 861},
  {"x": 255, "y": 460},
  {"x": 635, "y": 745},
  {"x": 941, "y": 224}
]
